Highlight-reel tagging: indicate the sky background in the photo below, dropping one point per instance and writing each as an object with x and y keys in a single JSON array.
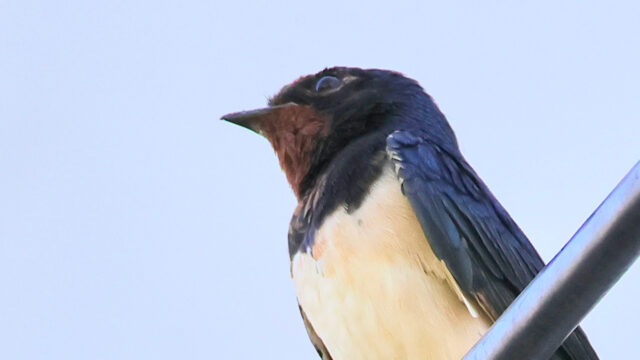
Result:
[{"x": 136, "y": 225}]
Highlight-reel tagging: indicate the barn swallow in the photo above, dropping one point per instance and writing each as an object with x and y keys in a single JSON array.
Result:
[{"x": 398, "y": 249}]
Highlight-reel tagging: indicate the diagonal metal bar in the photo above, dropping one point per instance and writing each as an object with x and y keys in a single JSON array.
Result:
[{"x": 556, "y": 300}]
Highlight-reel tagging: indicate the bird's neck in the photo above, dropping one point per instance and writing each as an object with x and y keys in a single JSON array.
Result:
[
  {"x": 295, "y": 160},
  {"x": 346, "y": 178},
  {"x": 294, "y": 137}
]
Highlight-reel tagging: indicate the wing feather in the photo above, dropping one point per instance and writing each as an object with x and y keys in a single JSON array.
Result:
[{"x": 486, "y": 252}]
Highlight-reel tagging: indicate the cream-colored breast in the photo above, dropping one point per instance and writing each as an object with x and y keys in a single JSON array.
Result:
[{"x": 373, "y": 289}]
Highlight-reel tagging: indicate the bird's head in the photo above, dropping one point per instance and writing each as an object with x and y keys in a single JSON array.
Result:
[{"x": 312, "y": 119}]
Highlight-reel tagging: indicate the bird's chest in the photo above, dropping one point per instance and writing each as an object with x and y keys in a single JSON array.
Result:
[{"x": 373, "y": 289}]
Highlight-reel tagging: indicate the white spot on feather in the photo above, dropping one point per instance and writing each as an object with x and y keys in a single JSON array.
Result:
[{"x": 397, "y": 162}]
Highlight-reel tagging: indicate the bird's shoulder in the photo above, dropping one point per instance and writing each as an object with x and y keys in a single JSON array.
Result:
[{"x": 485, "y": 250}]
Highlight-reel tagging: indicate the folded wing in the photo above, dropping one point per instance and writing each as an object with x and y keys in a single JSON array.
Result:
[{"x": 488, "y": 255}]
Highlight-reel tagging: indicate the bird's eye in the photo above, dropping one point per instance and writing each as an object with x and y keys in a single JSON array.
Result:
[{"x": 327, "y": 83}]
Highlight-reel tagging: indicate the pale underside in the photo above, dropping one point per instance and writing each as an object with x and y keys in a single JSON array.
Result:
[{"x": 373, "y": 288}]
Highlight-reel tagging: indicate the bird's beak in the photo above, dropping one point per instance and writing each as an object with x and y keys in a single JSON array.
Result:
[{"x": 253, "y": 119}]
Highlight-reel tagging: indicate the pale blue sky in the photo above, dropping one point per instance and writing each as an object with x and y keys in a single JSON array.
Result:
[{"x": 136, "y": 225}]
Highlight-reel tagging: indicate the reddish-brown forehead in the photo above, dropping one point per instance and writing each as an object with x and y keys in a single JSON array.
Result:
[
  {"x": 280, "y": 97},
  {"x": 296, "y": 81}
]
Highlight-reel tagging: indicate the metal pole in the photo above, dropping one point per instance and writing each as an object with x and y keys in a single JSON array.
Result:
[{"x": 556, "y": 300}]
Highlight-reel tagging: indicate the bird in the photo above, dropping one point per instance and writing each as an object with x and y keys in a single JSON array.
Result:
[{"x": 398, "y": 249}]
